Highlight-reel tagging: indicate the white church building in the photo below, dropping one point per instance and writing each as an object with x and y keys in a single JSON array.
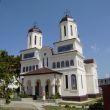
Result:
[{"x": 61, "y": 70}]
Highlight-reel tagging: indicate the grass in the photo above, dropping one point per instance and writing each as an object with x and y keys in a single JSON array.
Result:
[
  {"x": 61, "y": 108},
  {"x": 13, "y": 108}
]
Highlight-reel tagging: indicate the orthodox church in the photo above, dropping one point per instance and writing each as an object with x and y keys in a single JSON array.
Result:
[{"x": 63, "y": 70}]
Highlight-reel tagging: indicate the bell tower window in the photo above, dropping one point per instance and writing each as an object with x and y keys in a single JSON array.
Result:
[
  {"x": 64, "y": 30},
  {"x": 35, "y": 40},
  {"x": 30, "y": 40},
  {"x": 71, "y": 30}
]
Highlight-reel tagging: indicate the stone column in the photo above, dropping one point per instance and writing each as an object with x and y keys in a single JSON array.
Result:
[
  {"x": 53, "y": 89},
  {"x": 33, "y": 87},
  {"x": 43, "y": 92},
  {"x": 53, "y": 85}
]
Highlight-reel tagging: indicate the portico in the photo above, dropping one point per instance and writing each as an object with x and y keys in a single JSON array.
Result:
[{"x": 42, "y": 83}]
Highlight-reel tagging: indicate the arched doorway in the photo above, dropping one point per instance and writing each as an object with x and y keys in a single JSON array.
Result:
[
  {"x": 38, "y": 89},
  {"x": 47, "y": 89}
]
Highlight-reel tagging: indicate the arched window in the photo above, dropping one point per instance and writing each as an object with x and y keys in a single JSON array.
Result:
[
  {"x": 23, "y": 69},
  {"x": 58, "y": 64},
  {"x": 30, "y": 40},
  {"x": 45, "y": 54},
  {"x": 62, "y": 63},
  {"x": 35, "y": 40},
  {"x": 27, "y": 69},
  {"x": 72, "y": 62},
  {"x": 66, "y": 81},
  {"x": 33, "y": 67},
  {"x": 54, "y": 65},
  {"x": 64, "y": 30},
  {"x": 73, "y": 82},
  {"x": 67, "y": 63},
  {"x": 30, "y": 68},
  {"x": 36, "y": 66},
  {"x": 71, "y": 30},
  {"x": 47, "y": 61}
]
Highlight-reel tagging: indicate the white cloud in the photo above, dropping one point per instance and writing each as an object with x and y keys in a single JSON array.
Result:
[{"x": 95, "y": 48}]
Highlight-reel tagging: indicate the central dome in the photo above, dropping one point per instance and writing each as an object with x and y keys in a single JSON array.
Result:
[{"x": 35, "y": 29}]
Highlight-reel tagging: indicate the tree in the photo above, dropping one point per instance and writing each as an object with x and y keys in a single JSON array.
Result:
[{"x": 9, "y": 71}]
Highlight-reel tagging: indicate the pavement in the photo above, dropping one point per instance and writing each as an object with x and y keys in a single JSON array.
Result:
[
  {"x": 27, "y": 104},
  {"x": 36, "y": 104}
]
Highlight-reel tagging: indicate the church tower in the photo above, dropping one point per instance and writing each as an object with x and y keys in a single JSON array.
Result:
[
  {"x": 34, "y": 38},
  {"x": 68, "y": 28},
  {"x": 69, "y": 37}
]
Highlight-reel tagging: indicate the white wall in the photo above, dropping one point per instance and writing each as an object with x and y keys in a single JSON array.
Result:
[
  {"x": 70, "y": 22},
  {"x": 92, "y": 79},
  {"x": 70, "y": 92},
  {"x": 38, "y": 37}
]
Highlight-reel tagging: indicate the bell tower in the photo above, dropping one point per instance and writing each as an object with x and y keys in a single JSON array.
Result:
[
  {"x": 34, "y": 38},
  {"x": 68, "y": 28}
]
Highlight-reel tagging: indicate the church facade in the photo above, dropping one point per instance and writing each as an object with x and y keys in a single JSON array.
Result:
[{"x": 61, "y": 70}]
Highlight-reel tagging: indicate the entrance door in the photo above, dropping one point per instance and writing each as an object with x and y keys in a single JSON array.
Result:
[
  {"x": 47, "y": 89},
  {"x": 37, "y": 89}
]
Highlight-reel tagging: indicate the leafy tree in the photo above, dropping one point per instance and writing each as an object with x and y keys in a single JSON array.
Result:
[{"x": 9, "y": 71}]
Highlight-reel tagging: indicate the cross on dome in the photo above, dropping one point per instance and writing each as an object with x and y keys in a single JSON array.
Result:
[
  {"x": 67, "y": 12},
  {"x": 67, "y": 15},
  {"x": 35, "y": 28},
  {"x": 35, "y": 24}
]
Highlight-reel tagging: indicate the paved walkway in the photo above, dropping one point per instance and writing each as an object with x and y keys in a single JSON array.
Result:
[
  {"x": 27, "y": 104},
  {"x": 37, "y": 105}
]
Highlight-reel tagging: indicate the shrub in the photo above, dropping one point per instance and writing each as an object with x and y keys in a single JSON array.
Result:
[
  {"x": 73, "y": 107},
  {"x": 56, "y": 96},
  {"x": 23, "y": 95},
  {"x": 82, "y": 106},
  {"x": 96, "y": 106},
  {"x": 66, "y": 106}
]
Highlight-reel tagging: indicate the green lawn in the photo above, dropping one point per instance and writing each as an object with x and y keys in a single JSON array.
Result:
[{"x": 61, "y": 108}]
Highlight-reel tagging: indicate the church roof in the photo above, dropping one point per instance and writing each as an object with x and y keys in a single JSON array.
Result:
[
  {"x": 87, "y": 61},
  {"x": 35, "y": 29},
  {"x": 65, "y": 18},
  {"x": 41, "y": 71}
]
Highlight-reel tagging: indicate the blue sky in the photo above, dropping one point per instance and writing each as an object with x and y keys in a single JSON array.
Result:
[{"x": 92, "y": 17}]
